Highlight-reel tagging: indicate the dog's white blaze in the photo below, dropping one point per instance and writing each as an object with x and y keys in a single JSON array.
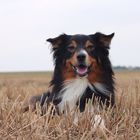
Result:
[
  {"x": 72, "y": 91},
  {"x": 83, "y": 52}
]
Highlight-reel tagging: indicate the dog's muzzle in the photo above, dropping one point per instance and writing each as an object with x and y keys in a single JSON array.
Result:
[{"x": 81, "y": 69}]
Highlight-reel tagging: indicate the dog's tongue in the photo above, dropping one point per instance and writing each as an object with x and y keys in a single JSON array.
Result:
[{"x": 81, "y": 71}]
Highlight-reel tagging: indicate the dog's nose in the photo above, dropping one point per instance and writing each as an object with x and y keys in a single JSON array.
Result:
[{"x": 81, "y": 57}]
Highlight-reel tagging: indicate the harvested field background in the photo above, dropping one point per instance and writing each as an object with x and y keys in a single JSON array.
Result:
[{"x": 122, "y": 123}]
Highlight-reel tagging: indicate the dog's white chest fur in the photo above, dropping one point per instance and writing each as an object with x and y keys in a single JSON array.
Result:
[{"x": 72, "y": 91}]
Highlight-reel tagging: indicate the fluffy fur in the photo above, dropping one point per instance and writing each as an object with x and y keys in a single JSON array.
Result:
[{"x": 82, "y": 72}]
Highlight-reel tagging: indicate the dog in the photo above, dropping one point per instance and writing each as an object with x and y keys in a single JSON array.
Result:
[{"x": 82, "y": 72}]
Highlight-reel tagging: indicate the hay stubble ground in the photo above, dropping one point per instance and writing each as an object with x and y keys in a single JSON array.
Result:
[{"x": 122, "y": 123}]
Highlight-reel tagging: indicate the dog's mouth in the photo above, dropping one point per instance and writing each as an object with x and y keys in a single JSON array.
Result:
[{"x": 81, "y": 70}]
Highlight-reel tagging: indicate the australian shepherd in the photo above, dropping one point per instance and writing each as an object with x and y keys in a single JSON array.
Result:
[{"x": 82, "y": 72}]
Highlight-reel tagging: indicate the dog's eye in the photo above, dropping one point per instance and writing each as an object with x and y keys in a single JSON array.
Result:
[
  {"x": 71, "y": 48},
  {"x": 90, "y": 48}
]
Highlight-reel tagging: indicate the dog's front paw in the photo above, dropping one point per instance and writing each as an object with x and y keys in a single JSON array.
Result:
[{"x": 98, "y": 122}]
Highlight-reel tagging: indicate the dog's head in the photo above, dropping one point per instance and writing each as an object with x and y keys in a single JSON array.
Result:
[{"x": 81, "y": 55}]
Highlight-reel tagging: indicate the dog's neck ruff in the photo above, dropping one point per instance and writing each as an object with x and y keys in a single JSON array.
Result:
[{"x": 71, "y": 92}]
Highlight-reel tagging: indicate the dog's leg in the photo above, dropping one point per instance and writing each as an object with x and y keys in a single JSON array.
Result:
[
  {"x": 31, "y": 103},
  {"x": 97, "y": 121}
]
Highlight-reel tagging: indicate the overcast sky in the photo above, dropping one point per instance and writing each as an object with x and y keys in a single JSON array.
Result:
[{"x": 26, "y": 24}]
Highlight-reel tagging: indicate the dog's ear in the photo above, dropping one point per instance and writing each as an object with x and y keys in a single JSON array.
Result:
[
  {"x": 103, "y": 39},
  {"x": 57, "y": 41},
  {"x": 106, "y": 39}
]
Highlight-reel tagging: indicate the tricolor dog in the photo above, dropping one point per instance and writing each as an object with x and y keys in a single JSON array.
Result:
[{"x": 82, "y": 72}]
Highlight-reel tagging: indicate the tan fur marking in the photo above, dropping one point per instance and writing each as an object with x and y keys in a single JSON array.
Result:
[
  {"x": 68, "y": 72},
  {"x": 73, "y": 44},
  {"x": 95, "y": 72},
  {"x": 88, "y": 43}
]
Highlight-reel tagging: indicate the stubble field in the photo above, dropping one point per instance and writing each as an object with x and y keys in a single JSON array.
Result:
[{"x": 122, "y": 122}]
